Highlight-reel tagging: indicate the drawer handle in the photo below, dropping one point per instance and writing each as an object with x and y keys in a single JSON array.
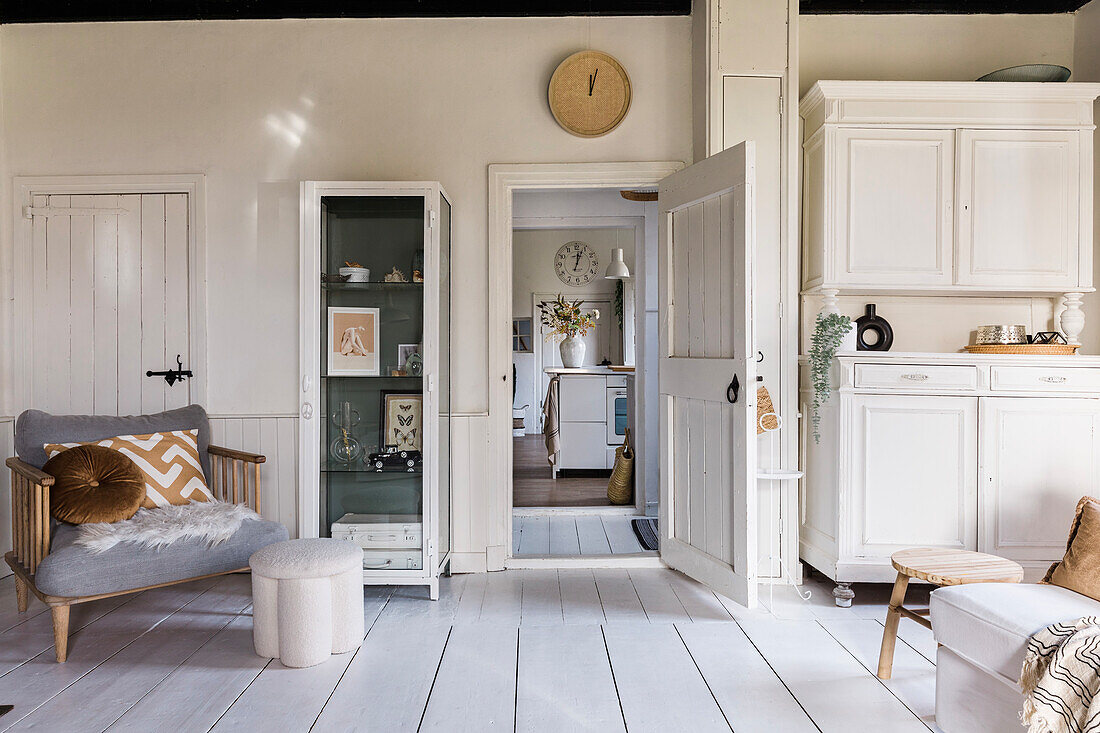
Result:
[
  {"x": 385, "y": 564},
  {"x": 1053, "y": 380},
  {"x": 915, "y": 377},
  {"x": 377, "y": 537}
]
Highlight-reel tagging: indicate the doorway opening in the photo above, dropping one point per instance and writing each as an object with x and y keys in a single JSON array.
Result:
[{"x": 561, "y": 226}]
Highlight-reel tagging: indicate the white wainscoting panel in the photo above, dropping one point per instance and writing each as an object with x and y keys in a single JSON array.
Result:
[
  {"x": 7, "y": 449},
  {"x": 473, "y": 493},
  {"x": 275, "y": 436}
]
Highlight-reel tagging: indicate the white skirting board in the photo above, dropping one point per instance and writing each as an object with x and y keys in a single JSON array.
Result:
[{"x": 7, "y": 449}]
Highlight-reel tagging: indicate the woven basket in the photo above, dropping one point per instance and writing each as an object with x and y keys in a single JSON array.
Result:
[
  {"x": 620, "y": 487},
  {"x": 1064, "y": 349},
  {"x": 766, "y": 420}
]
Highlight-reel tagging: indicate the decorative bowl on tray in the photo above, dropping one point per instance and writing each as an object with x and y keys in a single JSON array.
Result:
[
  {"x": 1000, "y": 334},
  {"x": 1029, "y": 72}
]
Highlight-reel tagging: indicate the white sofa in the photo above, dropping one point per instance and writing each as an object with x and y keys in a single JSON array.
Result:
[{"x": 982, "y": 630}]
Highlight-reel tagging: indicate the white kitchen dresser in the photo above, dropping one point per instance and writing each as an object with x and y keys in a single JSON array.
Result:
[
  {"x": 949, "y": 188},
  {"x": 592, "y": 414},
  {"x": 987, "y": 453}
]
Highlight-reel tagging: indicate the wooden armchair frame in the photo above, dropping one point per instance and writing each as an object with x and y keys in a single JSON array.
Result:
[{"x": 30, "y": 523}]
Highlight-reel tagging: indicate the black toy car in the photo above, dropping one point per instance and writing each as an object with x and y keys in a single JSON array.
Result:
[{"x": 395, "y": 460}]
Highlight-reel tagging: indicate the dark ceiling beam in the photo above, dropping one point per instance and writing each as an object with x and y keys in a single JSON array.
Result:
[
  {"x": 69, "y": 11},
  {"x": 955, "y": 7}
]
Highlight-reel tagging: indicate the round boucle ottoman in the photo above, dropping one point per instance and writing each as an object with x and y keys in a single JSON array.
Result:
[{"x": 307, "y": 600}]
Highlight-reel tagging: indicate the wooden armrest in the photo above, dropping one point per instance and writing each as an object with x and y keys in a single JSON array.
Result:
[
  {"x": 29, "y": 472},
  {"x": 239, "y": 455},
  {"x": 30, "y": 516}
]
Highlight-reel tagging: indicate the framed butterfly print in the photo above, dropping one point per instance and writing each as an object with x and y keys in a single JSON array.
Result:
[{"x": 402, "y": 420}]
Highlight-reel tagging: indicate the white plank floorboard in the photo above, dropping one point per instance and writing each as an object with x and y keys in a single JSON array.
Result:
[
  {"x": 919, "y": 638},
  {"x": 473, "y": 594},
  {"x": 475, "y": 687},
  {"x": 580, "y": 601},
  {"x": 411, "y": 603},
  {"x": 750, "y": 694},
  {"x": 660, "y": 688},
  {"x": 386, "y": 685},
  {"x": 913, "y": 678},
  {"x": 829, "y": 683},
  {"x": 200, "y": 690},
  {"x": 534, "y": 536},
  {"x": 564, "y": 540},
  {"x": 41, "y": 678},
  {"x": 620, "y": 535},
  {"x": 591, "y": 535},
  {"x": 659, "y": 600},
  {"x": 699, "y": 601},
  {"x": 95, "y": 701},
  {"x": 503, "y": 598},
  {"x": 618, "y": 597},
  {"x": 564, "y": 682},
  {"x": 541, "y": 604}
]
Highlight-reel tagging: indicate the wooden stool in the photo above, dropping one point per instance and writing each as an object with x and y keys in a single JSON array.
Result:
[{"x": 938, "y": 567}]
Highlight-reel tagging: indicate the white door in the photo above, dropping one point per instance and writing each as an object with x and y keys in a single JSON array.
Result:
[
  {"x": 109, "y": 299},
  {"x": 893, "y": 212},
  {"x": 914, "y": 474},
  {"x": 707, "y": 373},
  {"x": 1019, "y": 211},
  {"x": 1038, "y": 457}
]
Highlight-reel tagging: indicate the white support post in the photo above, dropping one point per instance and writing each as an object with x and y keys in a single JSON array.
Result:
[
  {"x": 829, "y": 303},
  {"x": 1072, "y": 319}
]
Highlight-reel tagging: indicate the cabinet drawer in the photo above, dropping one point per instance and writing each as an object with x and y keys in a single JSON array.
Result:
[
  {"x": 583, "y": 445},
  {"x": 393, "y": 560},
  {"x": 1044, "y": 379},
  {"x": 617, "y": 381},
  {"x": 917, "y": 376},
  {"x": 581, "y": 399}
]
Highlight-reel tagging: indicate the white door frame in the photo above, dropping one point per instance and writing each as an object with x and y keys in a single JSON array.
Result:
[
  {"x": 504, "y": 180},
  {"x": 26, "y": 187}
]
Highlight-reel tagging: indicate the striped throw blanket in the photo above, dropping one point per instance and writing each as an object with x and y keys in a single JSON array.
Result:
[{"x": 1061, "y": 678}]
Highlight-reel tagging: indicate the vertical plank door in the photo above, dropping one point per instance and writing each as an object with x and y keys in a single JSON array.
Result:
[
  {"x": 707, "y": 373},
  {"x": 110, "y": 300}
]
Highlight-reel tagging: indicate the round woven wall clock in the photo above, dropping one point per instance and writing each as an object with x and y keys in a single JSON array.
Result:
[{"x": 589, "y": 94}]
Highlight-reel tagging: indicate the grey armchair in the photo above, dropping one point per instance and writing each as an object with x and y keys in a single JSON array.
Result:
[{"x": 47, "y": 562}]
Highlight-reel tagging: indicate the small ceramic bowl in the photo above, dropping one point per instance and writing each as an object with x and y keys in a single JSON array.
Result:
[
  {"x": 356, "y": 274},
  {"x": 1002, "y": 334}
]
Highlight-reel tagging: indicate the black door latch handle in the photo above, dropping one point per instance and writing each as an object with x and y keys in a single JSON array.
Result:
[{"x": 732, "y": 390}]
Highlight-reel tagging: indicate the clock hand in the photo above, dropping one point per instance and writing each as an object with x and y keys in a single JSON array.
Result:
[
  {"x": 592, "y": 81},
  {"x": 577, "y": 263}
]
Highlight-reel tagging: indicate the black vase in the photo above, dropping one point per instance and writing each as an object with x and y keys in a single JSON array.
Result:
[{"x": 877, "y": 324}]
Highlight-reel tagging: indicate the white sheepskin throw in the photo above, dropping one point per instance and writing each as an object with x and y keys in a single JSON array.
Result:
[{"x": 214, "y": 522}]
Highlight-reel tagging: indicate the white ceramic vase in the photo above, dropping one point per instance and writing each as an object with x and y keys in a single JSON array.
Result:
[{"x": 572, "y": 352}]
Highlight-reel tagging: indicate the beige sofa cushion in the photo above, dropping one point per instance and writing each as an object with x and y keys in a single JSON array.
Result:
[
  {"x": 1079, "y": 570},
  {"x": 989, "y": 623}
]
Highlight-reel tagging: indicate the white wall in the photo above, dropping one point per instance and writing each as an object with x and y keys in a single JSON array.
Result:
[
  {"x": 928, "y": 47},
  {"x": 260, "y": 105},
  {"x": 1086, "y": 67}
]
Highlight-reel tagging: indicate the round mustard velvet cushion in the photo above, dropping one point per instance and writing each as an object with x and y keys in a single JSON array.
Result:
[{"x": 94, "y": 484}]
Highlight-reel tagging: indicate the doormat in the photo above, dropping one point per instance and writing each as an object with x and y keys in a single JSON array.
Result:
[
  {"x": 646, "y": 529},
  {"x": 5, "y": 709}
]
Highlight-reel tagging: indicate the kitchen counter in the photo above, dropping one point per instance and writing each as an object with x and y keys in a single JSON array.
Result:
[{"x": 597, "y": 370}]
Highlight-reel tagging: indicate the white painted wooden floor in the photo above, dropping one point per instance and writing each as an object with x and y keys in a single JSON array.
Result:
[
  {"x": 570, "y": 535},
  {"x": 534, "y": 650}
]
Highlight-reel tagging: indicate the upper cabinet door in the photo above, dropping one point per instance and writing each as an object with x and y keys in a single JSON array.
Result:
[
  {"x": 1019, "y": 209},
  {"x": 893, "y": 210}
]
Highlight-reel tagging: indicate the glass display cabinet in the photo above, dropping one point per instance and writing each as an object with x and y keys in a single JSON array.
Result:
[{"x": 375, "y": 386}]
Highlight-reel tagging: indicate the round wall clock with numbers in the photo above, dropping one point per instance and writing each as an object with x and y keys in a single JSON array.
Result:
[{"x": 576, "y": 263}]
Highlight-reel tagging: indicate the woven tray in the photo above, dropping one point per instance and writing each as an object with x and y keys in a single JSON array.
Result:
[{"x": 1063, "y": 349}]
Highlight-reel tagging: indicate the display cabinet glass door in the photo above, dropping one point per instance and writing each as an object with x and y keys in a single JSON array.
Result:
[{"x": 372, "y": 368}]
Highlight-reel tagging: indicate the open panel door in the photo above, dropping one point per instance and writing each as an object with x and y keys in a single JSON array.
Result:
[{"x": 708, "y": 373}]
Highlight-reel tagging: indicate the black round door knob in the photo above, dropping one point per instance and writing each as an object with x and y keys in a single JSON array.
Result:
[{"x": 870, "y": 323}]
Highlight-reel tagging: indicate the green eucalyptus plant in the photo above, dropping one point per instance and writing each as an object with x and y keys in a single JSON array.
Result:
[{"x": 829, "y": 330}]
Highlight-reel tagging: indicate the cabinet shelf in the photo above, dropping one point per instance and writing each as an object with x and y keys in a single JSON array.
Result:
[
  {"x": 373, "y": 285},
  {"x": 359, "y": 467}
]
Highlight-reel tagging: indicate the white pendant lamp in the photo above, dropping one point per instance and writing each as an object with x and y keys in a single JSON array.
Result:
[{"x": 617, "y": 269}]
